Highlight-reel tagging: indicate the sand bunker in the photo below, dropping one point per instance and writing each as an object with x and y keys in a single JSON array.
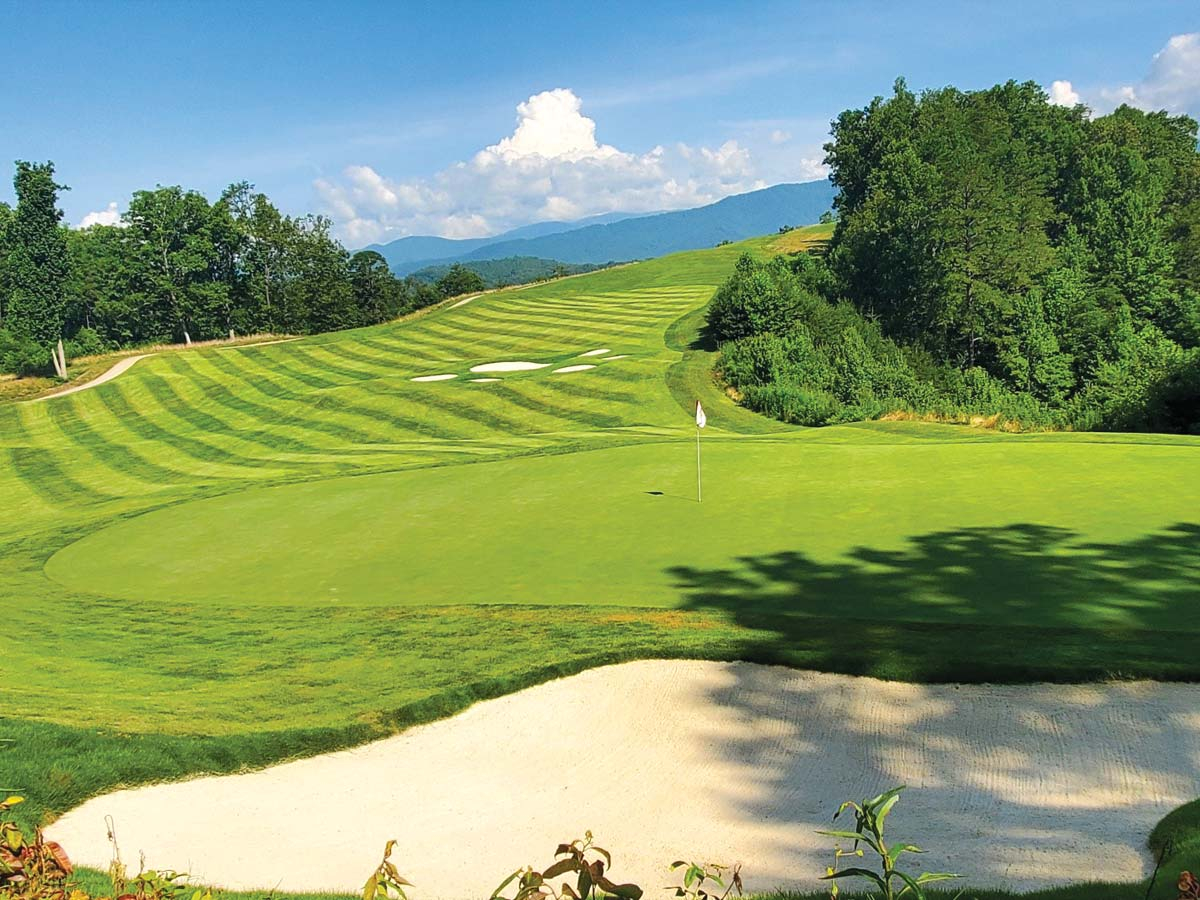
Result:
[
  {"x": 446, "y": 377},
  {"x": 611, "y": 358},
  {"x": 484, "y": 380},
  {"x": 571, "y": 369},
  {"x": 509, "y": 367},
  {"x": 1021, "y": 786},
  {"x": 599, "y": 352}
]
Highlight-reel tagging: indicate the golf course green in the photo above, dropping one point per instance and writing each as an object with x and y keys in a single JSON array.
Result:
[
  {"x": 230, "y": 556},
  {"x": 558, "y": 528}
]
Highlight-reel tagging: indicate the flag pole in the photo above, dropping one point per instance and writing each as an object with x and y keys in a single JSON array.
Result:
[{"x": 699, "y": 490}]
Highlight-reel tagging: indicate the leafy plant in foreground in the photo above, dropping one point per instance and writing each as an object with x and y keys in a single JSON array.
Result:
[
  {"x": 699, "y": 881},
  {"x": 30, "y": 868},
  {"x": 581, "y": 858},
  {"x": 386, "y": 882},
  {"x": 870, "y": 817}
]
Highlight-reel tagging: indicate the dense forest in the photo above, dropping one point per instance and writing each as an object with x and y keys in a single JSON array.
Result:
[
  {"x": 995, "y": 256},
  {"x": 179, "y": 268}
]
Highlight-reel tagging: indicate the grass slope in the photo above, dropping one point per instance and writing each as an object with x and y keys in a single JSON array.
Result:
[{"x": 163, "y": 619}]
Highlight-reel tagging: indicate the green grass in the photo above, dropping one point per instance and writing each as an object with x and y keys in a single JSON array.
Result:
[
  {"x": 231, "y": 556},
  {"x": 99, "y": 884}
]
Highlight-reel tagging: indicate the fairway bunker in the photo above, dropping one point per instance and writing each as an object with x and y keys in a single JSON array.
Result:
[
  {"x": 518, "y": 366},
  {"x": 1022, "y": 786},
  {"x": 446, "y": 377},
  {"x": 599, "y": 352},
  {"x": 565, "y": 369}
]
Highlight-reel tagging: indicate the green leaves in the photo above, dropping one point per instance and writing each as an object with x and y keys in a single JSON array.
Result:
[
  {"x": 386, "y": 883},
  {"x": 699, "y": 880},
  {"x": 591, "y": 881},
  {"x": 870, "y": 818}
]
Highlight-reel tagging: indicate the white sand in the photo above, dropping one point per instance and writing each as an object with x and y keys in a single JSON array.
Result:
[
  {"x": 484, "y": 380},
  {"x": 509, "y": 367},
  {"x": 599, "y": 352},
  {"x": 565, "y": 369},
  {"x": 611, "y": 358},
  {"x": 446, "y": 377},
  {"x": 1022, "y": 786}
]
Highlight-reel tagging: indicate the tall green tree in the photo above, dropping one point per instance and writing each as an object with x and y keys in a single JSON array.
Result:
[
  {"x": 6, "y": 217},
  {"x": 171, "y": 233},
  {"x": 37, "y": 257}
]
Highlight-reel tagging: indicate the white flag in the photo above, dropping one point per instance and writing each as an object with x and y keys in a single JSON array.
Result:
[{"x": 701, "y": 418}]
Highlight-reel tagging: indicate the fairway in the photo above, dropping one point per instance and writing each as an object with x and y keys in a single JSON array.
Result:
[{"x": 1050, "y": 537}]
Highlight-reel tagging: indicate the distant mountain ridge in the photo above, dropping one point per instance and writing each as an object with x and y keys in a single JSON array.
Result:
[
  {"x": 427, "y": 250},
  {"x": 628, "y": 236}
]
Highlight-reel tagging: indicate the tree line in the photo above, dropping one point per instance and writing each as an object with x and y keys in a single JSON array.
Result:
[
  {"x": 994, "y": 255},
  {"x": 179, "y": 268}
]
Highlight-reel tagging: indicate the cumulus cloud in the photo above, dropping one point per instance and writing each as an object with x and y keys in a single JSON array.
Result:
[
  {"x": 779, "y": 136},
  {"x": 1063, "y": 94},
  {"x": 1173, "y": 82},
  {"x": 109, "y": 216},
  {"x": 551, "y": 167}
]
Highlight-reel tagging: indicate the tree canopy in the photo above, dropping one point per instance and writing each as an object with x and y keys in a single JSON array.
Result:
[{"x": 994, "y": 253}]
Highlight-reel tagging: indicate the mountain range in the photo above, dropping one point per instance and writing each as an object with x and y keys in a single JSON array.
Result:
[{"x": 624, "y": 236}]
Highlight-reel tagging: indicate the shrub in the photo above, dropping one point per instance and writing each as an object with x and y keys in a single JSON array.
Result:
[
  {"x": 23, "y": 356},
  {"x": 86, "y": 342}
]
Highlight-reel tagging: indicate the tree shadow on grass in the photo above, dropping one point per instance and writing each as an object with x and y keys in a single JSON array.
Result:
[
  {"x": 1015, "y": 603},
  {"x": 1006, "y": 784}
]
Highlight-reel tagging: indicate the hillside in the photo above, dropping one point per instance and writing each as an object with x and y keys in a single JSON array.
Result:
[{"x": 732, "y": 219}]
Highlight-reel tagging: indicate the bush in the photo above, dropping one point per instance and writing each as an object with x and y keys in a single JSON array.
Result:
[
  {"x": 758, "y": 297},
  {"x": 86, "y": 342},
  {"x": 23, "y": 356}
]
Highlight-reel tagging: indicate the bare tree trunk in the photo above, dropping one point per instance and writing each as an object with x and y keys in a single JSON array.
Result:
[
  {"x": 187, "y": 338},
  {"x": 59, "y": 360}
]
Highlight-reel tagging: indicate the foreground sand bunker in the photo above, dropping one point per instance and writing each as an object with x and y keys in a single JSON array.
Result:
[{"x": 1021, "y": 786}]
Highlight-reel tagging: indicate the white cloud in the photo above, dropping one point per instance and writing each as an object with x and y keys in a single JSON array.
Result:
[
  {"x": 109, "y": 216},
  {"x": 1063, "y": 94},
  {"x": 779, "y": 136},
  {"x": 812, "y": 168},
  {"x": 1173, "y": 82},
  {"x": 551, "y": 167}
]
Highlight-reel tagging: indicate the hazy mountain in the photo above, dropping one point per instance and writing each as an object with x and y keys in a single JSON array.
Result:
[
  {"x": 425, "y": 250},
  {"x": 629, "y": 237}
]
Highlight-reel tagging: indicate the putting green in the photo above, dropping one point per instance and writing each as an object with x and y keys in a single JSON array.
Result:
[{"x": 1024, "y": 529}]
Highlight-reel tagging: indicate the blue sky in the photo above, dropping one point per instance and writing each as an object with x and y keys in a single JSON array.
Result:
[{"x": 403, "y": 118}]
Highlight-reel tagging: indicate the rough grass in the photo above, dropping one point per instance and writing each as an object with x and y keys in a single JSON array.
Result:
[
  {"x": 809, "y": 237},
  {"x": 1051, "y": 557}
]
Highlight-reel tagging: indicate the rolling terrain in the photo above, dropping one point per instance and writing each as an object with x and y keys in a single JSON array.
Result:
[{"x": 230, "y": 556}]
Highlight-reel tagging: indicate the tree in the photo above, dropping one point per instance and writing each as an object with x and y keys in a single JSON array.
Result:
[
  {"x": 37, "y": 257},
  {"x": 757, "y": 298},
  {"x": 459, "y": 280},
  {"x": 377, "y": 294},
  {"x": 6, "y": 217},
  {"x": 171, "y": 234},
  {"x": 317, "y": 293}
]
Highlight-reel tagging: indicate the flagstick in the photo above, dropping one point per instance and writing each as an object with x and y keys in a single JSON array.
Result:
[{"x": 699, "y": 492}]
